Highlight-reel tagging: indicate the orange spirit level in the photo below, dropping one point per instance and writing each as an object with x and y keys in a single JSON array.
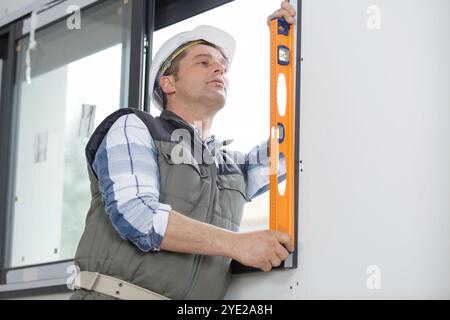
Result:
[
  {"x": 282, "y": 127},
  {"x": 284, "y": 133}
]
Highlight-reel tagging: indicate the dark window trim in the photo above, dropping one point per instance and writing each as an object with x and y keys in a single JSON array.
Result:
[
  {"x": 169, "y": 12},
  {"x": 140, "y": 33},
  {"x": 34, "y": 292},
  {"x": 6, "y": 112},
  {"x": 297, "y": 161},
  {"x": 149, "y": 54}
]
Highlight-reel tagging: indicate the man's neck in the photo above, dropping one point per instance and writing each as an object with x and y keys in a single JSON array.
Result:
[{"x": 197, "y": 118}]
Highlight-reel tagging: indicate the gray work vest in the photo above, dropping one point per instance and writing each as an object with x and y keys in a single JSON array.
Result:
[{"x": 197, "y": 187}]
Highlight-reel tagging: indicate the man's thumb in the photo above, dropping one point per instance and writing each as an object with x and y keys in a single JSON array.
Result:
[{"x": 286, "y": 240}]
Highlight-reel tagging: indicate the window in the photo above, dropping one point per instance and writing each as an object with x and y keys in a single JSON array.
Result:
[
  {"x": 1, "y": 72},
  {"x": 6, "y": 48},
  {"x": 248, "y": 94},
  {"x": 78, "y": 77}
]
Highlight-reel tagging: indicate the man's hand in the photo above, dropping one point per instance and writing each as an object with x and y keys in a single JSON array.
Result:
[
  {"x": 286, "y": 11},
  {"x": 262, "y": 249}
]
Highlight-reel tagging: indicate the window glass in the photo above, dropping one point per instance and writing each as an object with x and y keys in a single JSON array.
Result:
[
  {"x": 245, "y": 117},
  {"x": 78, "y": 77},
  {"x": 1, "y": 73}
]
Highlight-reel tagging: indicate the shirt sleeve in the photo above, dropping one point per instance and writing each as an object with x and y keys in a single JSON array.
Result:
[
  {"x": 257, "y": 167},
  {"x": 128, "y": 174}
]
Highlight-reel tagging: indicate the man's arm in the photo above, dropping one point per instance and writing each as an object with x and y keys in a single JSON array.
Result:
[
  {"x": 257, "y": 168},
  {"x": 127, "y": 170},
  {"x": 259, "y": 249}
]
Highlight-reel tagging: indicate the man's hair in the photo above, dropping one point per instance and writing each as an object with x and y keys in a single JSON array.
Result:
[{"x": 174, "y": 67}]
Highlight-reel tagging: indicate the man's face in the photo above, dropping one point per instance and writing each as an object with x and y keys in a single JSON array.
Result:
[{"x": 202, "y": 77}]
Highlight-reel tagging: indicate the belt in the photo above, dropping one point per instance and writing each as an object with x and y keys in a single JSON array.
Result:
[{"x": 94, "y": 281}]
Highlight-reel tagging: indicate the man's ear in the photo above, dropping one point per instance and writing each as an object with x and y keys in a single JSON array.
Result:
[{"x": 167, "y": 84}]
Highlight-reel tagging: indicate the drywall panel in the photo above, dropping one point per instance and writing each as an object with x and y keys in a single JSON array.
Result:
[{"x": 374, "y": 213}]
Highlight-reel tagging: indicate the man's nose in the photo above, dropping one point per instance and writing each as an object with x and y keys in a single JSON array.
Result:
[{"x": 219, "y": 67}]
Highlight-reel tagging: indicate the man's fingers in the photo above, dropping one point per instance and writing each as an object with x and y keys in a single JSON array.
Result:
[
  {"x": 285, "y": 240},
  {"x": 277, "y": 14},
  {"x": 282, "y": 253},
  {"x": 286, "y": 5},
  {"x": 267, "y": 267},
  {"x": 275, "y": 261},
  {"x": 282, "y": 13}
]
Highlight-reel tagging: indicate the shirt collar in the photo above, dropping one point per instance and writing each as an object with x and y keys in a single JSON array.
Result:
[{"x": 169, "y": 115}]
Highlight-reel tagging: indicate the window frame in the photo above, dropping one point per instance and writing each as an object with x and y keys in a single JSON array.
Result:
[
  {"x": 7, "y": 35},
  {"x": 13, "y": 32}
]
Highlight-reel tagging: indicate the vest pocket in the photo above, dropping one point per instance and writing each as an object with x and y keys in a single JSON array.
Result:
[
  {"x": 183, "y": 179},
  {"x": 232, "y": 198},
  {"x": 234, "y": 182},
  {"x": 187, "y": 160}
]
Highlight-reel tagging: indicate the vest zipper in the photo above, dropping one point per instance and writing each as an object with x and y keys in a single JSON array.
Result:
[{"x": 197, "y": 260}]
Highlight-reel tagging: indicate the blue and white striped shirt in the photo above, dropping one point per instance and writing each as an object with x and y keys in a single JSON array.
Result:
[{"x": 127, "y": 169}]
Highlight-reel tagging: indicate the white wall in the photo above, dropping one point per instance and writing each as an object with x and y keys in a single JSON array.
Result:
[{"x": 375, "y": 145}]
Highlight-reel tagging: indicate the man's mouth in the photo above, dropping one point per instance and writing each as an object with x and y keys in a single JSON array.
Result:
[{"x": 218, "y": 81}]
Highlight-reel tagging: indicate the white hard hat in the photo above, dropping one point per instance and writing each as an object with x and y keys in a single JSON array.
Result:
[{"x": 208, "y": 33}]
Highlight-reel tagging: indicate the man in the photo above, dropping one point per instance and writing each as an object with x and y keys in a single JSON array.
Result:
[{"x": 167, "y": 199}]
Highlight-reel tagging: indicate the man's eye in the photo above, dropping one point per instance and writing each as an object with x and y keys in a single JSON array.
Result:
[{"x": 204, "y": 63}]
